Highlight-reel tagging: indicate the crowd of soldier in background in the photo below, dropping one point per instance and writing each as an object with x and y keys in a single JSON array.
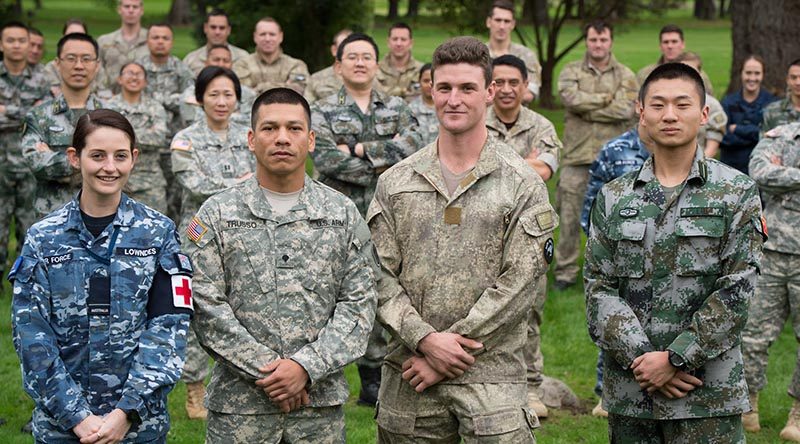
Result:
[{"x": 369, "y": 113}]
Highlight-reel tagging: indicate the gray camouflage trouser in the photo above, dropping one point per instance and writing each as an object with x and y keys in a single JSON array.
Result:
[{"x": 317, "y": 425}]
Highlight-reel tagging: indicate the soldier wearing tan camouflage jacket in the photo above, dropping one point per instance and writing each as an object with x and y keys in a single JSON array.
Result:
[
  {"x": 501, "y": 24},
  {"x": 672, "y": 45},
  {"x": 360, "y": 133},
  {"x": 775, "y": 166},
  {"x": 49, "y": 126},
  {"x": 398, "y": 72},
  {"x": 598, "y": 93},
  {"x": 217, "y": 29},
  {"x": 21, "y": 87},
  {"x": 284, "y": 288},
  {"x": 671, "y": 263},
  {"x": 326, "y": 81},
  {"x": 269, "y": 67},
  {"x": 463, "y": 230},
  {"x": 149, "y": 119},
  {"x": 126, "y": 44}
]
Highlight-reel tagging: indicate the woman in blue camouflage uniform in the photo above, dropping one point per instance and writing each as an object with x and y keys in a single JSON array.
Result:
[{"x": 102, "y": 302}]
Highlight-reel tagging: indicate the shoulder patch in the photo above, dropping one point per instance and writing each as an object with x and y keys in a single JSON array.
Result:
[
  {"x": 760, "y": 225},
  {"x": 181, "y": 145},
  {"x": 182, "y": 291},
  {"x": 196, "y": 230},
  {"x": 548, "y": 250},
  {"x": 184, "y": 263},
  {"x": 545, "y": 220},
  {"x": 14, "y": 269}
]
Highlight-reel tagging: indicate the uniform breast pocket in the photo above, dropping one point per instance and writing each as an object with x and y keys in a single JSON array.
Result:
[
  {"x": 699, "y": 240},
  {"x": 68, "y": 280},
  {"x": 387, "y": 125},
  {"x": 629, "y": 257},
  {"x": 346, "y": 129},
  {"x": 245, "y": 266}
]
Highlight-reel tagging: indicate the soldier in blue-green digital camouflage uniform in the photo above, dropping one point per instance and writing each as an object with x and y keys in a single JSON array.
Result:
[
  {"x": 670, "y": 270},
  {"x": 358, "y": 139},
  {"x": 775, "y": 166},
  {"x": 786, "y": 110},
  {"x": 49, "y": 126},
  {"x": 92, "y": 331},
  {"x": 21, "y": 87}
]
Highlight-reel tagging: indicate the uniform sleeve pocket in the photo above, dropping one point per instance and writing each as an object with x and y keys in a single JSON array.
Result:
[
  {"x": 401, "y": 423},
  {"x": 497, "y": 423}
]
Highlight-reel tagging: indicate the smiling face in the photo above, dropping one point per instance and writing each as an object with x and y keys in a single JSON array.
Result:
[
  {"x": 281, "y": 140},
  {"x": 509, "y": 87},
  {"x": 219, "y": 100},
  {"x": 77, "y": 64},
  {"x": 358, "y": 65},
  {"x": 132, "y": 79},
  {"x": 105, "y": 162},
  {"x": 752, "y": 76},
  {"x": 672, "y": 112},
  {"x": 267, "y": 37},
  {"x": 461, "y": 96}
]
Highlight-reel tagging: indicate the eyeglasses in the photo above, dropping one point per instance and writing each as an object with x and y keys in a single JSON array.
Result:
[
  {"x": 355, "y": 57},
  {"x": 72, "y": 59},
  {"x": 133, "y": 75}
]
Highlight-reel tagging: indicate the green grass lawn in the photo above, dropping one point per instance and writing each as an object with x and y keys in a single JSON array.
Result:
[{"x": 569, "y": 354}]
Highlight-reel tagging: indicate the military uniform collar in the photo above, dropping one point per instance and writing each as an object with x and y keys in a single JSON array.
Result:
[
  {"x": 698, "y": 172},
  {"x": 150, "y": 65},
  {"x": 524, "y": 121},
  {"x": 612, "y": 63},
  {"x": 428, "y": 166},
  {"x": 377, "y": 98},
  {"x": 262, "y": 61},
  {"x": 259, "y": 206},
  {"x": 60, "y": 104},
  {"x": 27, "y": 71},
  {"x": 141, "y": 38},
  {"x": 124, "y": 218}
]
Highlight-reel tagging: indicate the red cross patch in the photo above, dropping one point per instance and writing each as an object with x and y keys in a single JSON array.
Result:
[{"x": 182, "y": 292}]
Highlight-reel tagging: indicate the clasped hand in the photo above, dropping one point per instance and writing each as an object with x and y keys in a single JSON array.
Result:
[
  {"x": 443, "y": 357},
  {"x": 286, "y": 384},
  {"x": 108, "y": 429},
  {"x": 654, "y": 372}
]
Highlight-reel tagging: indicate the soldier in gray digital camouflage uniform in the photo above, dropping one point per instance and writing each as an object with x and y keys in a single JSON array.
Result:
[
  {"x": 126, "y": 44},
  {"x": 326, "y": 81},
  {"x": 422, "y": 107},
  {"x": 209, "y": 156},
  {"x": 285, "y": 289},
  {"x": 217, "y": 29},
  {"x": 464, "y": 231},
  {"x": 774, "y": 166},
  {"x": 534, "y": 138},
  {"x": 21, "y": 87},
  {"x": 671, "y": 264},
  {"x": 148, "y": 117},
  {"x": 360, "y": 133},
  {"x": 49, "y": 126}
]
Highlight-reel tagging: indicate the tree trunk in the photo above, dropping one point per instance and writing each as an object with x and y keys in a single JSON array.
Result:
[
  {"x": 413, "y": 9},
  {"x": 393, "y": 9},
  {"x": 722, "y": 11},
  {"x": 768, "y": 28},
  {"x": 535, "y": 11},
  {"x": 180, "y": 13},
  {"x": 704, "y": 9}
]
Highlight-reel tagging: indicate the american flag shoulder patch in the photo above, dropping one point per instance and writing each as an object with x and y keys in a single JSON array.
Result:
[{"x": 196, "y": 230}]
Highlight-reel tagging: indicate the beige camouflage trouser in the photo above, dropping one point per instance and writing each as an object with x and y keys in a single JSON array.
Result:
[
  {"x": 446, "y": 413},
  {"x": 534, "y": 360},
  {"x": 777, "y": 298},
  {"x": 317, "y": 425},
  {"x": 570, "y": 193}
]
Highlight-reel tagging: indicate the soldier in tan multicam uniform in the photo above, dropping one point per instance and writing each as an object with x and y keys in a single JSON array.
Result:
[
  {"x": 360, "y": 133},
  {"x": 672, "y": 45},
  {"x": 217, "y": 29},
  {"x": 464, "y": 231},
  {"x": 284, "y": 288},
  {"x": 325, "y": 82},
  {"x": 269, "y": 67},
  {"x": 598, "y": 93},
  {"x": 398, "y": 71},
  {"x": 126, "y": 44},
  {"x": 21, "y": 87},
  {"x": 534, "y": 138},
  {"x": 501, "y": 24},
  {"x": 149, "y": 120},
  {"x": 775, "y": 166}
]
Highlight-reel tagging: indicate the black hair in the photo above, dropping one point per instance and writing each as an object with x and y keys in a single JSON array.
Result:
[
  {"x": 74, "y": 21},
  {"x": 513, "y": 61},
  {"x": 218, "y": 12},
  {"x": 79, "y": 37},
  {"x": 35, "y": 31},
  {"x": 161, "y": 25},
  {"x": 14, "y": 24},
  {"x": 598, "y": 26},
  {"x": 501, "y": 4},
  {"x": 671, "y": 71},
  {"x": 213, "y": 47},
  {"x": 210, "y": 73},
  {"x": 667, "y": 29},
  {"x": 795, "y": 62},
  {"x": 100, "y": 118},
  {"x": 121, "y": 70},
  {"x": 279, "y": 95},
  {"x": 401, "y": 25},
  {"x": 355, "y": 37},
  {"x": 425, "y": 67}
]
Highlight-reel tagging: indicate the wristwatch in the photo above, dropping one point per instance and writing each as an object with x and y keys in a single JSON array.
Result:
[
  {"x": 353, "y": 150},
  {"x": 677, "y": 361}
]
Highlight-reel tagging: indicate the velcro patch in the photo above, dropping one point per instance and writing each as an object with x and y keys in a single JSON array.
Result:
[
  {"x": 181, "y": 145},
  {"x": 452, "y": 215},
  {"x": 545, "y": 220},
  {"x": 53, "y": 260},
  {"x": 196, "y": 230},
  {"x": 702, "y": 211},
  {"x": 137, "y": 252},
  {"x": 182, "y": 292},
  {"x": 14, "y": 268},
  {"x": 184, "y": 263}
]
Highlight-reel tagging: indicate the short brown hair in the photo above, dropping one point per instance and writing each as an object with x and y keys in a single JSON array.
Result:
[
  {"x": 101, "y": 118},
  {"x": 689, "y": 56},
  {"x": 501, "y": 4},
  {"x": 463, "y": 49},
  {"x": 599, "y": 26},
  {"x": 668, "y": 29}
]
